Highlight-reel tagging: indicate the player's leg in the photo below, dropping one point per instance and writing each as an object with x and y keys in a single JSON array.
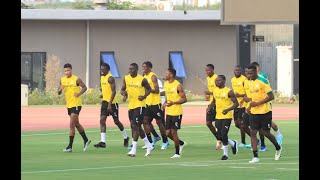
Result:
[
  {"x": 277, "y": 130},
  {"x": 254, "y": 122},
  {"x": 179, "y": 144},
  {"x": 71, "y": 133},
  {"x": 210, "y": 117},
  {"x": 238, "y": 120},
  {"x": 75, "y": 115},
  {"x": 245, "y": 126},
  {"x": 146, "y": 123},
  {"x": 159, "y": 116},
  {"x": 103, "y": 118},
  {"x": 115, "y": 116}
]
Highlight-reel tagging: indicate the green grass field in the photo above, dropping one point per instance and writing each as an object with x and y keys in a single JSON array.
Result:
[{"x": 42, "y": 157}]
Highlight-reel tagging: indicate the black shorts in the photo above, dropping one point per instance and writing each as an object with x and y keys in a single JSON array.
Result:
[
  {"x": 74, "y": 110},
  {"x": 136, "y": 115},
  {"x": 260, "y": 121},
  {"x": 238, "y": 113},
  {"x": 245, "y": 119},
  {"x": 104, "y": 109},
  {"x": 153, "y": 112},
  {"x": 211, "y": 115},
  {"x": 173, "y": 122}
]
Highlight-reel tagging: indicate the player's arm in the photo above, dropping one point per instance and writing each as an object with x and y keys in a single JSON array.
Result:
[
  {"x": 211, "y": 105},
  {"x": 83, "y": 87},
  {"x": 269, "y": 97},
  {"x": 60, "y": 88},
  {"x": 147, "y": 87},
  {"x": 207, "y": 92},
  {"x": 233, "y": 98},
  {"x": 100, "y": 91},
  {"x": 123, "y": 91},
  {"x": 163, "y": 107},
  {"x": 154, "y": 80},
  {"x": 113, "y": 92}
]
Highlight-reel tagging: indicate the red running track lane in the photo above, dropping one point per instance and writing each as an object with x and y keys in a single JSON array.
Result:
[{"x": 54, "y": 118}]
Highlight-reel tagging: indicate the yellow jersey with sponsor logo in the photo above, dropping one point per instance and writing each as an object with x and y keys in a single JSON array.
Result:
[
  {"x": 106, "y": 88},
  {"x": 223, "y": 101},
  {"x": 211, "y": 82},
  {"x": 258, "y": 91},
  {"x": 171, "y": 91},
  {"x": 238, "y": 87},
  {"x": 69, "y": 88},
  {"x": 247, "y": 91},
  {"x": 135, "y": 89},
  {"x": 152, "y": 99}
]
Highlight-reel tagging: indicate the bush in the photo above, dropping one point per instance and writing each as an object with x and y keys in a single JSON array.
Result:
[
  {"x": 38, "y": 97},
  {"x": 91, "y": 96}
]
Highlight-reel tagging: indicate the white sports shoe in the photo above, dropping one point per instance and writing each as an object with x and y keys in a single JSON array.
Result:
[
  {"x": 181, "y": 148},
  {"x": 144, "y": 147},
  {"x": 254, "y": 160},
  {"x": 131, "y": 154},
  {"x": 278, "y": 154},
  {"x": 175, "y": 156},
  {"x": 149, "y": 151},
  {"x": 86, "y": 145}
]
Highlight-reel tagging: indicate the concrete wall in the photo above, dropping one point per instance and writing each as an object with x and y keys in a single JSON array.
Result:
[
  {"x": 65, "y": 39},
  {"x": 201, "y": 42}
]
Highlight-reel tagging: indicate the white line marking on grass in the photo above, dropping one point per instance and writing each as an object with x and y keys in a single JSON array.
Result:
[
  {"x": 238, "y": 167},
  {"x": 214, "y": 163},
  {"x": 48, "y": 134},
  {"x": 289, "y": 169}
]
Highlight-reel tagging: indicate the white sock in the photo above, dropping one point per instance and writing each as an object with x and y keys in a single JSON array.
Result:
[
  {"x": 146, "y": 141},
  {"x": 278, "y": 132},
  {"x": 103, "y": 137},
  {"x": 134, "y": 147},
  {"x": 225, "y": 150},
  {"x": 124, "y": 133},
  {"x": 231, "y": 142}
]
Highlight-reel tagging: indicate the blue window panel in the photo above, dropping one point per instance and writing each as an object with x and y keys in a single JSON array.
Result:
[
  {"x": 178, "y": 64},
  {"x": 109, "y": 59}
]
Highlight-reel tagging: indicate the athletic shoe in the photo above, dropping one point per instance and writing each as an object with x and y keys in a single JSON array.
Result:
[
  {"x": 155, "y": 139},
  {"x": 224, "y": 157},
  {"x": 278, "y": 154},
  {"x": 148, "y": 153},
  {"x": 235, "y": 147},
  {"x": 100, "y": 145},
  {"x": 279, "y": 139},
  {"x": 67, "y": 149},
  {"x": 175, "y": 156},
  {"x": 125, "y": 142},
  {"x": 86, "y": 145},
  {"x": 242, "y": 145},
  {"x": 181, "y": 148},
  {"x": 254, "y": 160},
  {"x": 248, "y": 145},
  {"x": 263, "y": 148},
  {"x": 131, "y": 154},
  {"x": 130, "y": 147},
  {"x": 165, "y": 145}
]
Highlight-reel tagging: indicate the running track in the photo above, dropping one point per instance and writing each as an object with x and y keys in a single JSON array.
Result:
[{"x": 54, "y": 118}]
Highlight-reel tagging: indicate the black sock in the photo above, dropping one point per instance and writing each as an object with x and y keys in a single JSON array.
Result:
[
  {"x": 277, "y": 147},
  {"x": 154, "y": 133},
  {"x": 243, "y": 140},
  {"x": 84, "y": 137},
  {"x": 215, "y": 135},
  {"x": 255, "y": 154},
  {"x": 181, "y": 142},
  {"x": 164, "y": 138},
  {"x": 177, "y": 149},
  {"x": 71, "y": 141},
  {"x": 262, "y": 142},
  {"x": 149, "y": 137}
]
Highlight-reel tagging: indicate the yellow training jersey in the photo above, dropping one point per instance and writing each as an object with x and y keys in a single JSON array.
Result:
[
  {"x": 135, "y": 89},
  {"x": 247, "y": 91},
  {"x": 223, "y": 101},
  {"x": 211, "y": 82},
  {"x": 69, "y": 88},
  {"x": 238, "y": 87},
  {"x": 106, "y": 88},
  {"x": 171, "y": 91},
  {"x": 258, "y": 91},
  {"x": 152, "y": 99}
]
